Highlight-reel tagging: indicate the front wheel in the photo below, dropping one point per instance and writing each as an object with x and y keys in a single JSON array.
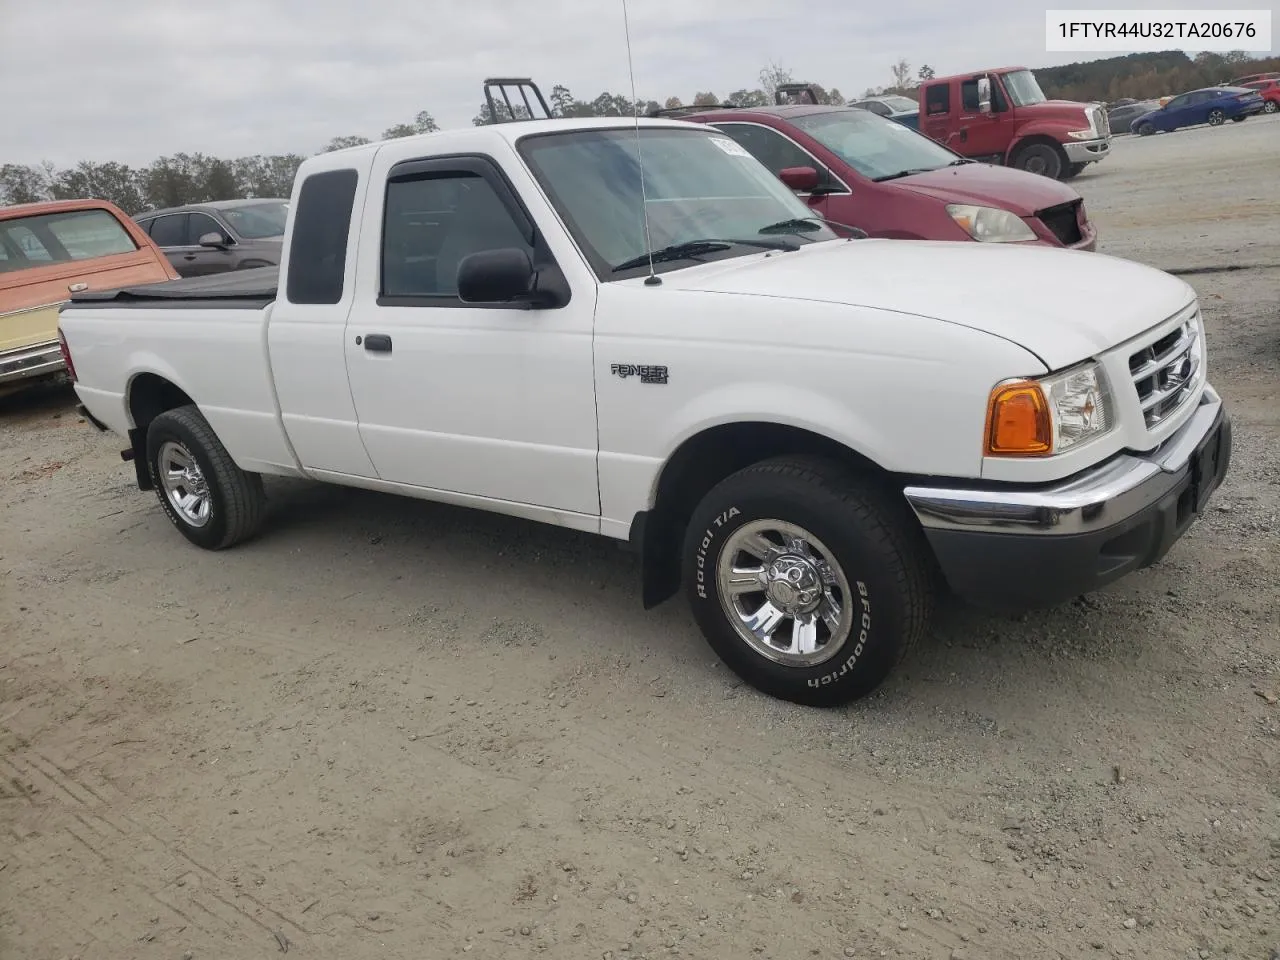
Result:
[
  {"x": 1217, "y": 118},
  {"x": 211, "y": 501},
  {"x": 1041, "y": 158},
  {"x": 1146, "y": 130},
  {"x": 809, "y": 583}
]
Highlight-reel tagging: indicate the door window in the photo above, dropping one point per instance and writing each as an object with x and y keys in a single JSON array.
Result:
[
  {"x": 769, "y": 147},
  {"x": 170, "y": 231},
  {"x": 937, "y": 99},
  {"x": 433, "y": 222},
  {"x": 198, "y": 224}
]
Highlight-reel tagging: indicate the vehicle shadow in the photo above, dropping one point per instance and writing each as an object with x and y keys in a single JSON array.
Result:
[
  {"x": 36, "y": 400},
  {"x": 965, "y": 648}
]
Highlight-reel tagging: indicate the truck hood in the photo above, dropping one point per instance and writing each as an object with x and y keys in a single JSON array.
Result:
[
  {"x": 982, "y": 183},
  {"x": 1069, "y": 110},
  {"x": 1062, "y": 305}
]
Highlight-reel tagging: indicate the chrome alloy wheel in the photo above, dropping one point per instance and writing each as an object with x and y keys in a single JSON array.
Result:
[
  {"x": 184, "y": 484},
  {"x": 784, "y": 593}
]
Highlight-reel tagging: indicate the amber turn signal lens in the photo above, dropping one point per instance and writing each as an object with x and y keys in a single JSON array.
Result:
[{"x": 1018, "y": 422}]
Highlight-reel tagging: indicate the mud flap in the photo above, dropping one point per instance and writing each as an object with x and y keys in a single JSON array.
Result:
[{"x": 138, "y": 454}]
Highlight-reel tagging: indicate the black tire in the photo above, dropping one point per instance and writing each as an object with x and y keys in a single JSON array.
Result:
[
  {"x": 236, "y": 501},
  {"x": 1217, "y": 118},
  {"x": 878, "y": 551},
  {"x": 1074, "y": 170},
  {"x": 1240, "y": 119},
  {"x": 1270, "y": 106},
  {"x": 1145, "y": 129},
  {"x": 1042, "y": 158}
]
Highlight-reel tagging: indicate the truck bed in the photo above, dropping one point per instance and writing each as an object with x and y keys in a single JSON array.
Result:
[{"x": 247, "y": 289}]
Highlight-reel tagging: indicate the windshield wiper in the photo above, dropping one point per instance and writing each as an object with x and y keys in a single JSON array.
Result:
[
  {"x": 812, "y": 221},
  {"x": 903, "y": 173},
  {"x": 694, "y": 248}
]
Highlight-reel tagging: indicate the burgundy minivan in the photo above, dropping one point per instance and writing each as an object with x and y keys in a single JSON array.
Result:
[{"x": 886, "y": 179}]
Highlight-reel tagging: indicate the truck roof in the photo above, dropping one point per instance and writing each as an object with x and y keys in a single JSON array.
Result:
[
  {"x": 509, "y": 131},
  {"x": 56, "y": 206}
]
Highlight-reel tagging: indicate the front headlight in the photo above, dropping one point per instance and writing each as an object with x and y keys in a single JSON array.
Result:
[
  {"x": 990, "y": 224},
  {"x": 1048, "y": 415},
  {"x": 1089, "y": 134}
]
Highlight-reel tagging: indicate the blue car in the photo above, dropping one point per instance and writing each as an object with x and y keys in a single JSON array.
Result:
[{"x": 1211, "y": 105}]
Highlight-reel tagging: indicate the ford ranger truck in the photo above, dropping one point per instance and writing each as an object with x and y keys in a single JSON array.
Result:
[
  {"x": 48, "y": 251},
  {"x": 785, "y": 423},
  {"x": 1002, "y": 116}
]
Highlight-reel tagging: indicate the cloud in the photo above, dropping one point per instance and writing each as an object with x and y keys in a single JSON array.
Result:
[{"x": 131, "y": 80}]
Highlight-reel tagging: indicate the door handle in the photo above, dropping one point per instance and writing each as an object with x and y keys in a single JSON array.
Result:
[
  {"x": 378, "y": 342},
  {"x": 189, "y": 256}
]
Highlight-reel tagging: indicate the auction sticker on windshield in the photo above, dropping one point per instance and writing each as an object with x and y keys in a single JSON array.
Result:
[{"x": 730, "y": 147}]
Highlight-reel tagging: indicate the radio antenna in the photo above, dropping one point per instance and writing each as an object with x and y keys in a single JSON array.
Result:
[{"x": 653, "y": 279}]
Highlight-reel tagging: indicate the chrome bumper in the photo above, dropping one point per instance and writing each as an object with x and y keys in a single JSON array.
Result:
[
  {"x": 1012, "y": 547},
  {"x": 1087, "y": 151},
  {"x": 32, "y": 361}
]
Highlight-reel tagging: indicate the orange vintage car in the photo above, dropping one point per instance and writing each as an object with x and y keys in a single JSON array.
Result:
[{"x": 49, "y": 251}]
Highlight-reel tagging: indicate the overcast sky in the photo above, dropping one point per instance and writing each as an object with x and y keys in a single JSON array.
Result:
[{"x": 130, "y": 80}]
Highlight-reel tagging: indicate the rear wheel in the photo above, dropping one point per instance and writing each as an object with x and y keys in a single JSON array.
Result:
[
  {"x": 211, "y": 501},
  {"x": 1217, "y": 118},
  {"x": 1042, "y": 158},
  {"x": 810, "y": 583},
  {"x": 1270, "y": 106}
]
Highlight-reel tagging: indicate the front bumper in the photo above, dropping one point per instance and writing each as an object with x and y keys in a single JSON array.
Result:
[
  {"x": 1012, "y": 548},
  {"x": 1087, "y": 151},
  {"x": 36, "y": 360}
]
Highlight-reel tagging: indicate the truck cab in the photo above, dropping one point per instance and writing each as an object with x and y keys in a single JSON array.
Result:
[{"x": 1002, "y": 116}]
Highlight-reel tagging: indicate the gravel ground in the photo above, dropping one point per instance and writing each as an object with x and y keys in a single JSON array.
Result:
[{"x": 392, "y": 729}]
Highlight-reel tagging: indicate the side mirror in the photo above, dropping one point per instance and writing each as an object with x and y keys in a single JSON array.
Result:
[
  {"x": 213, "y": 239},
  {"x": 984, "y": 94},
  {"x": 498, "y": 276},
  {"x": 799, "y": 179}
]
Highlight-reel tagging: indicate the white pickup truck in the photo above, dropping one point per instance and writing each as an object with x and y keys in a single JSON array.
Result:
[{"x": 814, "y": 433}]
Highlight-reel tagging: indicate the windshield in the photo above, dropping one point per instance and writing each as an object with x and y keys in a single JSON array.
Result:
[
  {"x": 257, "y": 221},
  {"x": 1023, "y": 89},
  {"x": 872, "y": 145},
  {"x": 699, "y": 186},
  {"x": 900, "y": 104}
]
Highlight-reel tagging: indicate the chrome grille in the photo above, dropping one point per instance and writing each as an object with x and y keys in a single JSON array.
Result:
[
  {"x": 1103, "y": 123},
  {"x": 1165, "y": 372}
]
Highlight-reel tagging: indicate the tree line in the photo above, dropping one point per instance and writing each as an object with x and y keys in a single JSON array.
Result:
[{"x": 194, "y": 177}]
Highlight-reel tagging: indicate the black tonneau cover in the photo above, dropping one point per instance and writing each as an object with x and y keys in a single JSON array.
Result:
[{"x": 246, "y": 289}]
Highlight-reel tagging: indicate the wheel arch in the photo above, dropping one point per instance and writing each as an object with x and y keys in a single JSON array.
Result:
[
  {"x": 147, "y": 396},
  {"x": 696, "y": 465}
]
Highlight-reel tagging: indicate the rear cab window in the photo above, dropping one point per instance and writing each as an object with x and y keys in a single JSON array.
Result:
[
  {"x": 61, "y": 237},
  {"x": 318, "y": 242}
]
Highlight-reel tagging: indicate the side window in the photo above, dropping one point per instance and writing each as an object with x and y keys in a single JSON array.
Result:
[
  {"x": 198, "y": 224},
  {"x": 318, "y": 243},
  {"x": 145, "y": 226},
  {"x": 769, "y": 147},
  {"x": 29, "y": 244},
  {"x": 432, "y": 222},
  {"x": 878, "y": 108},
  {"x": 170, "y": 231},
  {"x": 1178, "y": 102},
  {"x": 969, "y": 96},
  {"x": 937, "y": 99}
]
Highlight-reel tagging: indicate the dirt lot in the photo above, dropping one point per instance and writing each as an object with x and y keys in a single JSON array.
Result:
[{"x": 390, "y": 729}]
